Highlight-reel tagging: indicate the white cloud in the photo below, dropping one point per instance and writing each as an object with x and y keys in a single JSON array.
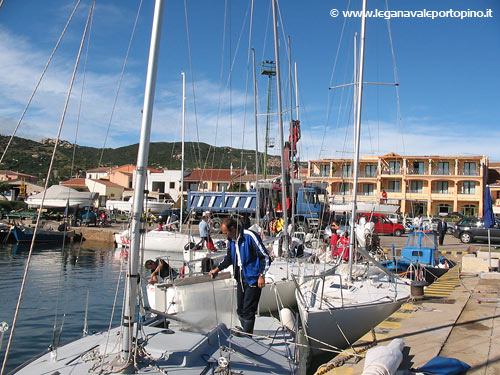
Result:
[{"x": 22, "y": 63}]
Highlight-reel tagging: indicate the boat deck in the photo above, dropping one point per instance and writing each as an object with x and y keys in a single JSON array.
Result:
[{"x": 459, "y": 318}]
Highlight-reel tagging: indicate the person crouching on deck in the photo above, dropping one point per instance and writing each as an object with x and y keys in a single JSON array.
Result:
[{"x": 250, "y": 261}]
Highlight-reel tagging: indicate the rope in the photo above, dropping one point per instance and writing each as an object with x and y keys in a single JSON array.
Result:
[
  {"x": 334, "y": 68},
  {"x": 197, "y": 161},
  {"x": 120, "y": 81},
  {"x": 113, "y": 312},
  {"x": 396, "y": 79},
  {"x": 45, "y": 191},
  {"x": 216, "y": 317},
  {"x": 39, "y": 79}
]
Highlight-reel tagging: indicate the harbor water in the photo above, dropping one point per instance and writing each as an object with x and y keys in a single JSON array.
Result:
[{"x": 54, "y": 300}]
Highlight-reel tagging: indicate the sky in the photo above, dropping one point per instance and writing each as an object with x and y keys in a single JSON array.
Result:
[{"x": 447, "y": 101}]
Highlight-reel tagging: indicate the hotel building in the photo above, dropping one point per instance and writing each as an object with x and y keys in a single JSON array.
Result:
[{"x": 427, "y": 185}]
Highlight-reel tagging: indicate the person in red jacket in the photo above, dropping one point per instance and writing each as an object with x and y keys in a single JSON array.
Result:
[{"x": 343, "y": 246}]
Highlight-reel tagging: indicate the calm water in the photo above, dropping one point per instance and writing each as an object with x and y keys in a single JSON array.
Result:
[{"x": 57, "y": 284}]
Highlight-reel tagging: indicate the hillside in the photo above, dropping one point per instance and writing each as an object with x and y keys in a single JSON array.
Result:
[{"x": 31, "y": 157}]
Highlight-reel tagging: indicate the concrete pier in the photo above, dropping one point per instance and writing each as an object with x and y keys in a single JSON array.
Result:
[{"x": 459, "y": 318}]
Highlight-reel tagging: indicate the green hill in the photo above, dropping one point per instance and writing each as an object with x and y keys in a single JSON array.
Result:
[{"x": 31, "y": 157}]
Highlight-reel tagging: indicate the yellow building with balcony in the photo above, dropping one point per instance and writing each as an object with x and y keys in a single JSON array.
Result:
[{"x": 427, "y": 185}]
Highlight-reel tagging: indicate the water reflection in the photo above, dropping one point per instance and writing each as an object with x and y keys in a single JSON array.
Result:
[{"x": 56, "y": 286}]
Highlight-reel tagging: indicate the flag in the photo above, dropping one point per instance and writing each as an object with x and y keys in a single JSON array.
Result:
[
  {"x": 488, "y": 217},
  {"x": 66, "y": 210}
]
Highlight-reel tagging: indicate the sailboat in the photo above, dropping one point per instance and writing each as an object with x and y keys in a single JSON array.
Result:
[
  {"x": 339, "y": 309},
  {"x": 167, "y": 344}
]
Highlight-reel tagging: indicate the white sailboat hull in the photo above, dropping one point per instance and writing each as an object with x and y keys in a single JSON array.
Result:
[
  {"x": 161, "y": 241},
  {"x": 329, "y": 312},
  {"x": 278, "y": 292},
  {"x": 126, "y": 206}
]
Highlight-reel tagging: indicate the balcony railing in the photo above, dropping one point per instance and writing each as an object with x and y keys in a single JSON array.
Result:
[
  {"x": 342, "y": 174},
  {"x": 366, "y": 193},
  {"x": 364, "y": 174},
  {"x": 393, "y": 190},
  {"x": 442, "y": 192},
  {"x": 342, "y": 193},
  {"x": 419, "y": 171},
  {"x": 467, "y": 172},
  {"x": 391, "y": 170},
  {"x": 441, "y": 172},
  {"x": 468, "y": 192},
  {"x": 416, "y": 191}
]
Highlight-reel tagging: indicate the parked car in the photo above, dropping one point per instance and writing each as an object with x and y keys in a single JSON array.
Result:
[
  {"x": 88, "y": 217},
  {"x": 451, "y": 219},
  {"x": 382, "y": 224},
  {"x": 471, "y": 229}
]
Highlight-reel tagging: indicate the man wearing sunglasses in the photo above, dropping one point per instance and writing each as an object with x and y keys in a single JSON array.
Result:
[{"x": 250, "y": 261}]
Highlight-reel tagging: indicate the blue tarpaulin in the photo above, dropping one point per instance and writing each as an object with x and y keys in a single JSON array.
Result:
[
  {"x": 444, "y": 366},
  {"x": 488, "y": 217}
]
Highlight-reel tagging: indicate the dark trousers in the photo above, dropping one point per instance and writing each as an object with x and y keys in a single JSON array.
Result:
[
  {"x": 248, "y": 301},
  {"x": 441, "y": 238}
]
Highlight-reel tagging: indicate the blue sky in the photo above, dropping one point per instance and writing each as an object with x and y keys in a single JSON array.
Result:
[{"x": 447, "y": 67}]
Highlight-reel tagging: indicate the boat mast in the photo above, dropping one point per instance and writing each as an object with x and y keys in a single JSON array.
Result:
[
  {"x": 290, "y": 138},
  {"x": 357, "y": 127},
  {"x": 182, "y": 148},
  {"x": 296, "y": 92},
  {"x": 257, "y": 198},
  {"x": 284, "y": 182},
  {"x": 268, "y": 69},
  {"x": 129, "y": 313}
]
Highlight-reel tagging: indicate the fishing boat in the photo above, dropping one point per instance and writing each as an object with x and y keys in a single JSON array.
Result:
[
  {"x": 339, "y": 309},
  {"x": 419, "y": 259},
  {"x": 167, "y": 343},
  {"x": 24, "y": 234}
]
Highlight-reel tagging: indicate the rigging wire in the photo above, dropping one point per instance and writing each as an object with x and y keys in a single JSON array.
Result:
[
  {"x": 330, "y": 99},
  {"x": 232, "y": 63},
  {"x": 396, "y": 80},
  {"x": 7, "y": 350},
  {"x": 191, "y": 70},
  {"x": 221, "y": 73},
  {"x": 65, "y": 289},
  {"x": 113, "y": 311},
  {"x": 250, "y": 27},
  {"x": 120, "y": 81},
  {"x": 39, "y": 79}
]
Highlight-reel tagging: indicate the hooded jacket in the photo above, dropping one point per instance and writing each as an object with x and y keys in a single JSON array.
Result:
[{"x": 255, "y": 260}]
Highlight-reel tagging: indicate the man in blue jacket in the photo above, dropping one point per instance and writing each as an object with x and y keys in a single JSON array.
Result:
[{"x": 250, "y": 261}]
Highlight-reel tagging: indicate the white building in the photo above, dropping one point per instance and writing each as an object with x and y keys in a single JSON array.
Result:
[{"x": 165, "y": 185}]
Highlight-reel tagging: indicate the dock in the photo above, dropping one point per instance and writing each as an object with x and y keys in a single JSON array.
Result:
[{"x": 459, "y": 317}]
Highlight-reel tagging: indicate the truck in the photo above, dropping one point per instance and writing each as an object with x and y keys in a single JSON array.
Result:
[{"x": 309, "y": 205}]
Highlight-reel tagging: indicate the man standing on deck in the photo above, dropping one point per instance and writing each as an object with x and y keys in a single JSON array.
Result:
[{"x": 250, "y": 261}]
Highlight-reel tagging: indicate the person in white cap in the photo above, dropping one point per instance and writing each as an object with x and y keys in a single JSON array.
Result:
[{"x": 204, "y": 229}]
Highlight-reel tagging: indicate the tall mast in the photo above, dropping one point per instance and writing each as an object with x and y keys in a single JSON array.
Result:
[
  {"x": 296, "y": 92},
  {"x": 290, "y": 138},
  {"x": 182, "y": 147},
  {"x": 284, "y": 182},
  {"x": 357, "y": 127},
  {"x": 268, "y": 69},
  {"x": 257, "y": 198},
  {"x": 129, "y": 312}
]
